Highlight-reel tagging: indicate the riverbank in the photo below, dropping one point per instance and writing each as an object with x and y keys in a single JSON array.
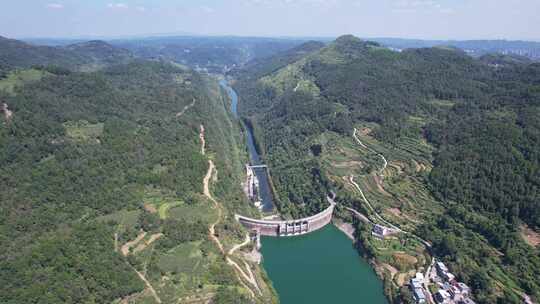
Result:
[
  {"x": 319, "y": 267},
  {"x": 265, "y": 189},
  {"x": 346, "y": 228}
]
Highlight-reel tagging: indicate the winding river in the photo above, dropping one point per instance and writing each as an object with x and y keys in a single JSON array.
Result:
[
  {"x": 318, "y": 268},
  {"x": 264, "y": 185}
]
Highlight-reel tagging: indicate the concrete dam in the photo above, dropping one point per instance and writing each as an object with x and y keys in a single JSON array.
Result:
[{"x": 289, "y": 227}]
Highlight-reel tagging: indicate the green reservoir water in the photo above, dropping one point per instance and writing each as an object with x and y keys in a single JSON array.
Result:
[{"x": 321, "y": 267}]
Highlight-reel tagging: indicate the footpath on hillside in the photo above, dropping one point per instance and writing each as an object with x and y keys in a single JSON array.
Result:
[{"x": 249, "y": 277}]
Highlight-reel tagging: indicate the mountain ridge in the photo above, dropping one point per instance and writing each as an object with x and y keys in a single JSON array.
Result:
[{"x": 446, "y": 122}]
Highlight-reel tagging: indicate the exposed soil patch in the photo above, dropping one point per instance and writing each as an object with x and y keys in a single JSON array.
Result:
[
  {"x": 401, "y": 279},
  {"x": 7, "y": 113},
  {"x": 404, "y": 259},
  {"x": 254, "y": 256},
  {"x": 346, "y": 228},
  {"x": 142, "y": 246},
  {"x": 395, "y": 211},
  {"x": 203, "y": 141},
  {"x": 150, "y": 208},
  {"x": 530, "y": 236},
  {"x": 125, "y": 248},
  {"x": 365, "y": 131}
]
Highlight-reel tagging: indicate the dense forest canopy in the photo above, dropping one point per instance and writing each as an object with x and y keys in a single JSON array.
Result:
[
  {"x": 216, "y": 54},
  {"x": 81, "y": 56},
  {"x": 83, "y": 154},
  {"x": 480, "y": 115},
  {"x": 99, "y": 147}
]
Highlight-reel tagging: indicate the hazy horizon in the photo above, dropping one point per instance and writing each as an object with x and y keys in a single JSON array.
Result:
[{"x": 408, "y": 19}]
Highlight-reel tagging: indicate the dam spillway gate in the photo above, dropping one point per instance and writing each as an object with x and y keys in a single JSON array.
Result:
[{"x": 289, "y": 227}]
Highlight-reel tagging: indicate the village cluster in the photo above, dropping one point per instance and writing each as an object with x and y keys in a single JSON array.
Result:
[{"x": 450, "y": 291}]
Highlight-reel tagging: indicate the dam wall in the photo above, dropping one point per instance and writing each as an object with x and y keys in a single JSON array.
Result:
[{"x": 289, "y": 227}]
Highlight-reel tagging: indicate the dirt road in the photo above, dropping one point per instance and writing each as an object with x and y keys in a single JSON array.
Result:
[
  {"x": 125, "y": 248},
  {"x": 203, "y": 141},
  {"x": 212, "y": 229},
  {"x": 185, "y": 109}
]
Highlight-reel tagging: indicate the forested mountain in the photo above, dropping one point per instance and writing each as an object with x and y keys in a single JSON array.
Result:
[
  {"x": 15, "y": 53},
  {"x": 262, "y": 66},
  {"x": 530, "y": 49},
  {"x": 80, "y": 56},
  {"x": 474, "y": 123},
  {"x": 212, "y": 53},
  {"x": 101, "y": 51},
  {"x": 101, "y": 181}
]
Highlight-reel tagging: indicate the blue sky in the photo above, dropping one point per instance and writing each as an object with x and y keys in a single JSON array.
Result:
[{"x": 428, "y": 19}]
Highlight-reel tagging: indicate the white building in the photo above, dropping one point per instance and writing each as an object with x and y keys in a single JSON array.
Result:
[
  {"x": 442, "y": 296},
  {"x": 417, "y": 288},
  {"x": 381, "y": 231}
]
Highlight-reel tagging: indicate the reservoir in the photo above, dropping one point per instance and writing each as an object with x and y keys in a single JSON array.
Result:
[{"x": 318, "y": 268}]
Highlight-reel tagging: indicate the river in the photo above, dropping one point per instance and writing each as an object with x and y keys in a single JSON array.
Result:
[
  {"x": 320, "y": 267},
  {"x": 264, "y": 185}
]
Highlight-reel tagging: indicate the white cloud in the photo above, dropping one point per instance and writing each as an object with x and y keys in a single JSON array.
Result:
[
  {"x": 55, "y": 6},
  {"x": 141, "y": 8},
  {"x": 117, "y": 5}
]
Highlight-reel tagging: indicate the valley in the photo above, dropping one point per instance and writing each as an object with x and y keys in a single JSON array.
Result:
[
  {"x": 124, "y": 170},
  {"x": 379, "y": 128}
]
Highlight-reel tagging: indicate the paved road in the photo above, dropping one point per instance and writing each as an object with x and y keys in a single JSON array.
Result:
[
  {"x": 377, "y": 215},
  {"x": 380, "y": 218}
]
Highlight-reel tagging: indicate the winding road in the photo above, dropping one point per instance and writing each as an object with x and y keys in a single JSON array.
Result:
[
  {"x": 381, "y": 219},
  {"x": 185, "y": 109},
  {"x": 385, "y": 163},
  {"x": 212, "y": 229},
  {"x": 377, "y": 215}
]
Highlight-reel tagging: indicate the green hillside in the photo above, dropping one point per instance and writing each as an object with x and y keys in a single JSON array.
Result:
[
  {"x": 460, "y": 136},
  {"x": 102, "y": 186},
  {"x": 84, "y": 56},
  {"x": 18, "y": 54}
]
